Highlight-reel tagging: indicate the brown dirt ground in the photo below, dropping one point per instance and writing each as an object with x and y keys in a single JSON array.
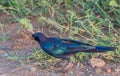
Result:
[{"x": 22, "y": 43}]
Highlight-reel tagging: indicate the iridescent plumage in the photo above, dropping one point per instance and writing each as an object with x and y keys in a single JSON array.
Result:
[{"x": 60, "y": 48}]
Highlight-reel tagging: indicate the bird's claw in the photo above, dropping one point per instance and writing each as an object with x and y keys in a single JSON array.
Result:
[
  {"x": 66, "y": 68},
  {"x": 57, "y": 64}
]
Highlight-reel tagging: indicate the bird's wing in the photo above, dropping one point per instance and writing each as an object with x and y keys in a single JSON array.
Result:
[
  {"x": 54, "y": 46},
  {"x": 66, "y": 46},
  {"x": 73, "y": 46},
  {"x": 74, "y": 41}
]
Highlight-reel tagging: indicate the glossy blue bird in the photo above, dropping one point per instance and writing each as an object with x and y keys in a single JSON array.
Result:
[{"x": 61, "y": 48}]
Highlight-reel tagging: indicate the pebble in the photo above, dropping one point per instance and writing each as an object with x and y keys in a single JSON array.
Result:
[
  {"x": 117, "y": 70},
  {"x": 2, "y": 51},
  {"x": 97, "y": 62},
  {"x": 109, "y": 71}
]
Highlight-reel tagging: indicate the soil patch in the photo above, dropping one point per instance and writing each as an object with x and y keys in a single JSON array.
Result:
[{"x": 22, "y": 43}]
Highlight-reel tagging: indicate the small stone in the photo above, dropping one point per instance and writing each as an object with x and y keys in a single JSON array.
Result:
[
  {"x": 96, "y": 62},
  {"x": 30, "y": 68},
  {"x": 69, "y": 66},
  {"x": 98, "y": 70},
  {"x": 5, "y": 55},
  {"x": 2, "y": 51},
  {"x": 117, "y": 70},
  {"x": 109, "y": 71},
  {"x": 71, "y": 72},
  {"x": 90, "y": 75}
]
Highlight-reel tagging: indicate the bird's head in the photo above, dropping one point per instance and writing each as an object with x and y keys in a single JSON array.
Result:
[{"x": 38, "y": 36}]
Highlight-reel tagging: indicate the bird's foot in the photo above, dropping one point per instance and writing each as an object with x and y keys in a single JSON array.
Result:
[
  {"x": 57, "y": 64},
  {"x": 67, "y": 67}
]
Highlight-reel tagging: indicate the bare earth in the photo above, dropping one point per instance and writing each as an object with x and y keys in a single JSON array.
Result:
[{"x": 23, "y": 44}]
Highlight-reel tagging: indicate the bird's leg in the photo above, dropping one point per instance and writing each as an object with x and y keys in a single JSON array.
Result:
[
  {"x": 68, "y": 65},
  {"x": 58, "y": 63}
]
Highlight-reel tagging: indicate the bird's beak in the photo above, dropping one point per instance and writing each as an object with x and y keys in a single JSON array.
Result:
[{"x": 34, "y": 36}]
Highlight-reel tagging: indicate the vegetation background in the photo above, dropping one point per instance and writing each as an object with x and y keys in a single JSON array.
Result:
[{"x": 92, "y": 21}]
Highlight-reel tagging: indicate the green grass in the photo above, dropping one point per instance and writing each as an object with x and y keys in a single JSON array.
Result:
[
  {"x": 93, "y": 21},
  {"x": 4, "y": 37},
  {"x": 36, "y": 56}
]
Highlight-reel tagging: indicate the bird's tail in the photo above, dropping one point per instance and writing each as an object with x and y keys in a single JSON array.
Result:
[{"x": 104, "y": 48}]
